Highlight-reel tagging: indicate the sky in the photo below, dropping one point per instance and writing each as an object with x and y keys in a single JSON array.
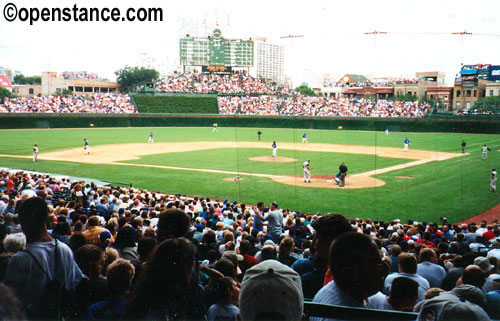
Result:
[{"x": 418, "y": 35}]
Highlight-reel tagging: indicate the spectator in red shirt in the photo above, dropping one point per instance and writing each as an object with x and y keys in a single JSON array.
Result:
[
  {"x": 248, "y": 260},
  {"x": 489, "y": 234}
]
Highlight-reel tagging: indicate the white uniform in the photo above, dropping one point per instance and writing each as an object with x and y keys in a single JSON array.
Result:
[
  {"x": 304, "y": 139},
  {"x": 493, "y": 182},
  {"x": 275, "y": 149},
  {"x": 485, "y": 151},
  {"x": 151, "y": 139},
  {"x": 307, "y": 172},
  {"x": 35, "y": 154},
  {"x": 387, "y": 131}
]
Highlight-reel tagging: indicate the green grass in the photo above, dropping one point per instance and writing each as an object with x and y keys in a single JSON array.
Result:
[
  {"x": 237, "y": 159},
  {"x": 456, "y": 188}
]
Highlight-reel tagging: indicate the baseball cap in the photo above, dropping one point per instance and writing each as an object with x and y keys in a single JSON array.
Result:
[
  {"x": 104, "y": 235},
  {"x": 448, "y": 307},
  {"x": 233, "y": 256},
  {"x": 483, "y": 263},
  {"x": 269, "y": 242},
  {"x": 470, "y": 293},
  {"x": 269, "y": 289}
]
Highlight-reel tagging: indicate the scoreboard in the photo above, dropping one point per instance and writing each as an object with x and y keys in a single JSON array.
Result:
[{"x": 216, "y": 51}]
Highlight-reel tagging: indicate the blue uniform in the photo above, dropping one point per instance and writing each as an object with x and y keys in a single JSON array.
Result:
[
  {"x": 407, "y": 143},
  {"x": 304, "y": 138},
  {"x": 86, "y": 147},
  {"x": 275, "y": 148}
]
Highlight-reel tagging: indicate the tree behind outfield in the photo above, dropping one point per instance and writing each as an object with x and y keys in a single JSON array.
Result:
[
  {"x": 5, "y": 93},
  {"x": 488, "y": 103},
  {"x": 23, "y": 80},
  {"x": 129, "y": 78},
  {"x": 304, "y": 90}
]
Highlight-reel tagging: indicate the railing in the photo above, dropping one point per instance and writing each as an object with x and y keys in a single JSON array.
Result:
[{"x": 349, "y": 313}]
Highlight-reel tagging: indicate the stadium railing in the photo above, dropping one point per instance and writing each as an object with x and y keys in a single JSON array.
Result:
[{"x": 312, "y": 309}]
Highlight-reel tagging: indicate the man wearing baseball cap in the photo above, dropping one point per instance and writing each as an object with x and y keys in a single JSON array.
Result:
[
  {"x": 487, "y": 268},
  {"x": 271, "y": 291}
]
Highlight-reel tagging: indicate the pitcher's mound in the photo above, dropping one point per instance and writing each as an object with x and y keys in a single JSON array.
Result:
[{"x": 273, "y": 159}]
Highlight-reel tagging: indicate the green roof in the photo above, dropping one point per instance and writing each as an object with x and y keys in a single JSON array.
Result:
[{"x": 358, "y": 78}]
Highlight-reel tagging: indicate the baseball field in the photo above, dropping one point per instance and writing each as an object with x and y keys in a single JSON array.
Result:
[{"x": 432, "y": 179}]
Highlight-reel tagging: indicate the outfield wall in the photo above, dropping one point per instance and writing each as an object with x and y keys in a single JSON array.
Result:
[{"x": 457, "y": 125}]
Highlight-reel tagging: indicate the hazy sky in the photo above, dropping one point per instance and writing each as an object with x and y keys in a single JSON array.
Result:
[{"x": 334, "y": 40}]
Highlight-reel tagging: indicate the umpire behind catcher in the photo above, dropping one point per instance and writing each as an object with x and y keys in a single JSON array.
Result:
[{"x": 343, "y": 172}]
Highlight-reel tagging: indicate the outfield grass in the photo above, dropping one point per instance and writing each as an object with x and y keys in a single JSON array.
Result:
[{"x": 455, "y": 188}]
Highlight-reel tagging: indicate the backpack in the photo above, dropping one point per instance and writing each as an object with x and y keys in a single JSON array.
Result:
[{"x": 55, "y": 300}]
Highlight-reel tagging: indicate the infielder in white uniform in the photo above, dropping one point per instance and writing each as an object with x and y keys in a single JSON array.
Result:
[
  {"x": 151, "y": 138},
  {"x": 275, "y": 148},
  {"x": 485, "y": 151},
  {"x": 35, "y": 153},
  {"x": 304, "y": 138},
  {"x": 493, "y": 183},
  {"x": 307, "y": 171}
]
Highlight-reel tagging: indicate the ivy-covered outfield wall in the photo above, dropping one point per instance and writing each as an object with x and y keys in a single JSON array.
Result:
[
  {"x": 457, "y": 125},
  {"x": 176, "y": 104}
]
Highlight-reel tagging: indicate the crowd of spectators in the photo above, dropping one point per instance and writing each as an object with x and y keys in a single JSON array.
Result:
[
  {"x": 96, "y": 103},
  {"x": 200, "y": 83},
  {"x": 370, "y": 83},
  {"x": 81, "y": 75},
  {"x": 136, "y": 254},
  {"x": 478, "y": 112},
  {"x": 319, "y": 106}
]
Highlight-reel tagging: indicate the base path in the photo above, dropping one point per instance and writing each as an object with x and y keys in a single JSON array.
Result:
[
  {"x": 489, "y": 216},
  {"x": 116, "y": 154}
]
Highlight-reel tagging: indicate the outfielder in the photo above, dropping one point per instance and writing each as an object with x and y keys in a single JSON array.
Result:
[
  {"x": 35, "y": 153},
  {"x": 486, "y": 149},
  {"x": 151, "y": 138},
  {"x": 275, "y": 148},
  {"x": 86, "y": 150},
  {"x": 307, "y": 171},
  {"x": 304, "y": 138},
  {"x": 493, "y": 182},
  {"x": 387, "y": 130},
  {"x": 215, "y": 128},
  {"x": 406, "y": 144}
]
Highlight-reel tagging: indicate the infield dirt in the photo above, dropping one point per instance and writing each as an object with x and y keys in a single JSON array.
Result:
[{"x": 116, "y": 154}]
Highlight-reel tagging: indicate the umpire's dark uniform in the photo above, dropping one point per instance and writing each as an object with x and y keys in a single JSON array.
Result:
[{"x": 343, "y": 172}]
